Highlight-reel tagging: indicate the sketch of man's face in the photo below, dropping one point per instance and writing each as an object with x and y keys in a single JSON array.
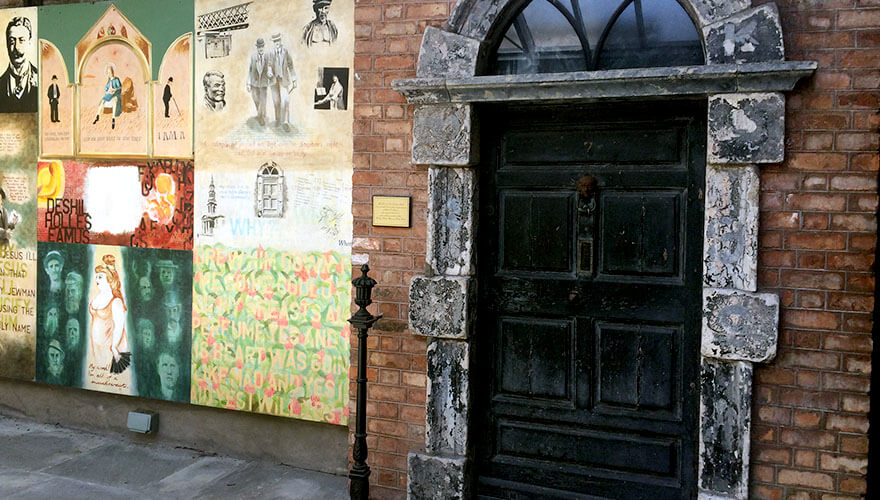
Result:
[
  {"x": 73, "y": 289},
  {"x": 72, "y": 330},
  {"x": 52, "y": 321},
  {"x": 145, "y": 286},
  {"x": 322, "y": 13},
  {"x": 18, "y": 41},
  {"x": 173, "y": 310},
  {"x": 53, "y": 269},
  {"x": 168, "y": 372},
  {"x": 55, "y": 359},
  {"x": 146, "y": 333},
  {"x": 215, "y": 88},
  {"x": 166, "y": 276}
]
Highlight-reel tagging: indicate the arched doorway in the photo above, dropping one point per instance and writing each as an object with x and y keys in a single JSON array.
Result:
[{"x": 740, "y": 83}]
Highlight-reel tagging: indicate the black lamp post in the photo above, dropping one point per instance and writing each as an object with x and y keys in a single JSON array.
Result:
[{"x": 359, "y": 475}]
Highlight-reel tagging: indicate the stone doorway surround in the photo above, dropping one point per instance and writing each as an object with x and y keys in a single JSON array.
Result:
[{"x": 743, "y": 79}]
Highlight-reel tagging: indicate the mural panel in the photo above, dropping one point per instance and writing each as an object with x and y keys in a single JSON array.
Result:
[
  {"x": 172, "y": 95},
  {"x": 20, "y": 81},
  {"x": 120, "y": 90},
  {"x": 273, "y": 144},
  {"x": 144, "y": 204},
  {"x": 270, "y": 332},
  {"x": 115, "y": 319},
  {"x": 113, "y": 102},
  {"x": 18, "y": 245},
  {"x": 56, "y": 108}
]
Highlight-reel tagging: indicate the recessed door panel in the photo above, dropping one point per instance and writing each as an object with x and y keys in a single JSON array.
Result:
[
  {"x": 535, "y": 358},
  {"x": 535, "y": 231},
  {"x": 641, "y": 231},
  {"x": 637, "y": 367},
  {"x": 613, "y": 145}
]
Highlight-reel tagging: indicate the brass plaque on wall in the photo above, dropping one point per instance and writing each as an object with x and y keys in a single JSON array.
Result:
[{"x": 391, "y": 211}]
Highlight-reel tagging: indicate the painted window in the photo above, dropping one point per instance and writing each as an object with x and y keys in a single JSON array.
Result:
[
  {"x": 553, "y": 36},
  {"x": 270, "y": 191}
]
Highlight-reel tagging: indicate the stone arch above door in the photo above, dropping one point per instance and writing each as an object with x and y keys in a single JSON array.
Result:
[{"x": 743, "y": 79}]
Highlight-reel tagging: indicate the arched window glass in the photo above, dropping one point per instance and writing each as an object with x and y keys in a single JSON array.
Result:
[{"x": 551, "y": 36}]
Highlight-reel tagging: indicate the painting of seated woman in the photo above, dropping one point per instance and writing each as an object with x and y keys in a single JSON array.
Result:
[{"x": 114, "y": 84}]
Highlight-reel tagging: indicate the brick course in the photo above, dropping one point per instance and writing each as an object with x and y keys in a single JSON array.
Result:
[
  {"x": 387, "y": 46},
  {"x": 817, "y": 247}
]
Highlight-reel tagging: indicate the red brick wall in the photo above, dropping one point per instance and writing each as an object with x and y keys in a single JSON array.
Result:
[
  {"x": 818, "y": 234},
  {"x": 817, "y": 249},
  {"x": 387, "y": 45}
]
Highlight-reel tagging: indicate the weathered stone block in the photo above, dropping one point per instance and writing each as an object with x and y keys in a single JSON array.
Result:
[
  {"x": 739, "y": 326},
  {"x": 448, "y": 397},
  {"x": 437, "y": 477},
  {"x": 442, "y": 307},
  {"x": 750, "y": 36},
  {"x": 746, "y": 128},
  {"x": 725, "y": 425},
  {"x": 443, "y": 135},
  {"x": 422, "y": 90},
  {"x": 702, "y": 495},
  {"x": 730, "y": 249},
  {"x": 710, "y": 11},
  {"x": 447, "y": 55},
  {"x": 451, "y": 218},
  {"x": 475, "y": 18}
]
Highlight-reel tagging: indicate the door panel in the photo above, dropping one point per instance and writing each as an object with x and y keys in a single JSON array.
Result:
[{"x": 589, "y": 278}]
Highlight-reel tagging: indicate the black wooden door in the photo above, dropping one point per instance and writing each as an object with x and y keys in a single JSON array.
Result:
[{"x": 591, "y": 230}]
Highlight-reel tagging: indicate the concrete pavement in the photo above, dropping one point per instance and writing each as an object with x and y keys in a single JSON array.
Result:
[{"x": 39, "y": 461}]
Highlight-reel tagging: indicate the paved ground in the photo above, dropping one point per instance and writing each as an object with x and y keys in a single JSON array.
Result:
[{"x": 42, "y": 461}]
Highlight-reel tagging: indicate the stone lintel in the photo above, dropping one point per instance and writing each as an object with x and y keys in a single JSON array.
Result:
[
  {"x": 448, "y": 397},
  {"x": 754, "y": 35},
  {"x": 443, "y": 134},
  {"x": 725, "y": 427},
  {"x": 442, "y": 306},
  {"x": 437, "y": 477},
  {"x": 447, "y": 55},
  {"x": 633, "y": 83},
  {"x": 451, "y": 216},
  {"x": 746, "y": 128},
  {"x": 739, "y": 326},
  {"x": 730, "y": 248}
]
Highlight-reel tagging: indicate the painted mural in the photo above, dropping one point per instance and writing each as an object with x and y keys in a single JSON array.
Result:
[
  {"x": 18, "y": 245},
  {"x": 123, "y": 102},
  {"x": 273, "y": 197},
  {"x": 176, "y": 202},
  {"x": 143, "y": 204},
  {"x": 114, "y": 319},
  {"x": 19, "y": 91}
]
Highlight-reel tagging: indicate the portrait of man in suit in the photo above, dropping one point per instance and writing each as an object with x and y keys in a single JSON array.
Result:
[
  {"x": 19, "y": 84},
  {"x": 54, "y": 94},
  {"x": 258, "y": 79},
  {"x": 282, "y": 81}
]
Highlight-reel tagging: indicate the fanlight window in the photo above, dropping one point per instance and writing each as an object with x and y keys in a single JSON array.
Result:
[{"x": 552, "y": 36}]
